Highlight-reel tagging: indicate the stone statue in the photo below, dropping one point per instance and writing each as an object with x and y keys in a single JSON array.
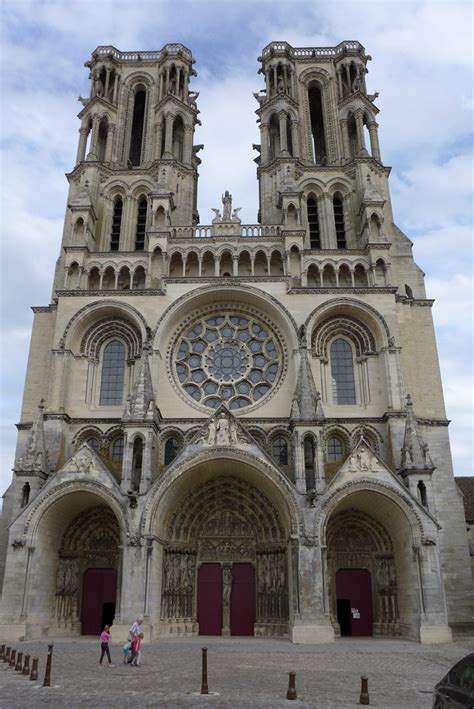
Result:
[
  {"x": 98, "y": 88},
  {"x": 226, "y": 585},
  {"x": 227, "y": 206},
  {"x": 211, "y": 433},
  {"x": 235, "y": 214},
  {"x": 218, "y": 217},
  {"x": 222, "y": 435}
]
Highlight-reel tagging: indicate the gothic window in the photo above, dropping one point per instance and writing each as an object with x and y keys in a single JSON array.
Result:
[
  {"x": 313, "y": 222},
  {"x": 335, "y": 449},
  {"x": 231, "y": 358},
  {"x": 309, "y": 462},
  {"x": 178, "y": 138},
  {"x": 113, "y": 370},
  {"x": 171, "y": 450},
  {"x": 339, "y": 222},
  {"x": 274, "y": 137},
  {"x": 342, "y": 373},
  {"x": 138, "y": 122},
  {"x": 141, "y": 225},
  {"x": 116, "y": 224},
  {"x": 137, "y": 462},
  {"x": 421, "y": 490},
  {"x": 116, "y": 451},
  {"x": 25, "y": 494},
  {"x": 93, "y": 443},
  {"x": 102, "y": 139},
  {"x": 317, "y": 124},
  {"x": 352, "y": 135},
  {"x": 280, "y": 451}
]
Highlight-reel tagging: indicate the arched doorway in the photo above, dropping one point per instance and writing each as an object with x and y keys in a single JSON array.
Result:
[
  {"x": 86, "y": 580},
  {"x": 362, "y": 575},
  {"x": 225, "y": 567}
]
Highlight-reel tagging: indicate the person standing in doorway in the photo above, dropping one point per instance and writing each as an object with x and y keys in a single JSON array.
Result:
[{"x": 105, "y": 638}]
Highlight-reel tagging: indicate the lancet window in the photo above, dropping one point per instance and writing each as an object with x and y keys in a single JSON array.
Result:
[
  {"x": 313, "y": 222},
  {"x": 141, "y": 225},
  {"x": 113, "y": 370},
  {"x": 116, "y": 225},
  {"x": 338, "y": 208},
  {"x": 342, "y": 373}
]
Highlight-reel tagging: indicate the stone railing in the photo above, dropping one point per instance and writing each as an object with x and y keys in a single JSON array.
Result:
[
  {"x": 302, "y": 52},
  {"x": 208, "y": 230},
  {"x": 168, "y": 49}
]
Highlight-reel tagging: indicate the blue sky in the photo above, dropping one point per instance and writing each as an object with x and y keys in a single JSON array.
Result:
[{"x": 421, "y": 67}]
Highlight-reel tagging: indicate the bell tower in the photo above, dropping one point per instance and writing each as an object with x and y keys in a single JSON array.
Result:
[
  {"x": 136, "y": 168},
  {"x": 318, "y": 127}
]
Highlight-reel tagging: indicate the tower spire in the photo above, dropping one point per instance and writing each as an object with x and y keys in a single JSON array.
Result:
[
  {"x": 140, "y": 402},
  {"x": 306, "y": 403},
  {"x": 415, "y": 452}
]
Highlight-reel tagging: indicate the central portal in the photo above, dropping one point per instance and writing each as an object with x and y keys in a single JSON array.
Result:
[
  {"x": 226, "y": 599},
  {"x": 225, "y": 563}
]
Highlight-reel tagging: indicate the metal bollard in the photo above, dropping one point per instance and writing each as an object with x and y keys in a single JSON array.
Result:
[
  {"x": 19, "y": 662},
  {"x": 34, "y": 669},
  {"x": 291, "y": 693},
  {"x": 12, "y": 659},
  {"x": 47, "y": 674},
  {"x": 26, "y": 666},
  {"x": 2, "y": 652},
  {"x": 364, "y": 691},
  {"x": 204, "y": 687},
  {"x": 7, "y": 655}
]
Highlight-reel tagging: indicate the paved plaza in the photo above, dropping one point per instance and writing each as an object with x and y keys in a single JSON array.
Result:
[{"x": 243, "y": 672}]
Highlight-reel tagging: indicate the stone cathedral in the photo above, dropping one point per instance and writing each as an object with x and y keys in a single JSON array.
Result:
[{"x": 228, "y": 428}]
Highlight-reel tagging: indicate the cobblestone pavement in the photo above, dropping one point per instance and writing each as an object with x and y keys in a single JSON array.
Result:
[{"x": 243, "y": 672}]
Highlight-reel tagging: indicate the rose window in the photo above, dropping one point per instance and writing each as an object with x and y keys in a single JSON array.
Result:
[{"x": 227, "y": 358}]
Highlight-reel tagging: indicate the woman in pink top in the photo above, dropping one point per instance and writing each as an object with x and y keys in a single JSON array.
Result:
[{"x": 105, "y": 638}]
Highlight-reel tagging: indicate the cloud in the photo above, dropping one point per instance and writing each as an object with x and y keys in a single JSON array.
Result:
[{"x": 421, "y": 66}]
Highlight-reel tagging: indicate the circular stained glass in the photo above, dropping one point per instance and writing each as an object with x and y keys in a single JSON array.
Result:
[{"x": 227, "y": 358}]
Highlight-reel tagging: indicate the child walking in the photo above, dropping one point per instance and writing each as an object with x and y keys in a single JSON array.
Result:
[
  {"x": 136, "y": 650},
  {"x": 105, "y": 638}
]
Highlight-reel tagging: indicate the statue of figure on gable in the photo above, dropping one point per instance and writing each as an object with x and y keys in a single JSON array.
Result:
[{"x": 227, "y": 206}]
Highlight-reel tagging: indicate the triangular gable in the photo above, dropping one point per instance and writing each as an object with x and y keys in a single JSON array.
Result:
[
  {"x": 365, "y": 464},
  {"x": 222, "y": 430},
  {"x": 85, "y": 463}
]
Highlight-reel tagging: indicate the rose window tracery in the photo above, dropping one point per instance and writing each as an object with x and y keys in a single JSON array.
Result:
[{"x": 232, "y": 358}]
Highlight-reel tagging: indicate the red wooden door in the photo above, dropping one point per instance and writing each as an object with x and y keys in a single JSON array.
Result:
[
  {"x": 242, "y": 600},
  {"x": 355, "y": 586},
  {"x": 99, "y": 589},
  {"x": 209, "y": 599}
]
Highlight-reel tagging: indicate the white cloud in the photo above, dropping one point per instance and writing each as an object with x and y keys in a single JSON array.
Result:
[{"x": 421, "y": 66}]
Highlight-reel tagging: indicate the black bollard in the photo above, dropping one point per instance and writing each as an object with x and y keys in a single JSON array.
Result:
[
  {"x": 291, "y": 693},
  {"x": 26, "y": 666},
  {"x": 7, "y": 655},
  {"x": 2, "y": 652},
  {"x": 204, "y": 687},
  {"x": 47, "y": 674},
  {"x": 34, "y": 669},
  {"x": 19, "y": 662},
  {"x": 12, "y": 659},
  {"x": 364, "y": 691}
]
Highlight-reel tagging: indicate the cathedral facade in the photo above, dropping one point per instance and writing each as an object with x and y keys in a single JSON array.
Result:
[{"x": 234, "y": 429}]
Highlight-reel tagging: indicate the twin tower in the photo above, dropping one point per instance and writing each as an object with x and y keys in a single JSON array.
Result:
[{"x": 315, "y": 117}]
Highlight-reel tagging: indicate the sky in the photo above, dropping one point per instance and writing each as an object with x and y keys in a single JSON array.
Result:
[{"x": 422, "y": 67}]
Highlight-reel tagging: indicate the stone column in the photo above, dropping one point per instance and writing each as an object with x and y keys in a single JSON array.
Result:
[
  {"x": 110, "y": 142},
  {"x": 158, "y": 140},
  {"x": 81, "y": 148},
  {"x": 95, "y": 134},
  {"x": 226, "y": 597},
  {"x": 264, "y": 149},
  {"x": 168, "y": 153},
  {"x": 283, "y": 137},
  {"x": 348, "y": 78},
  {"x": 188, "y": 145},
  {"x": 107, "y": 80},
  {"x": 374, "y": 141},
  {"x": 146, "y": 464},
  {"x": 345, "y": 139},
  {"x": 339, "y": 83},
  {"x": 311, "y": 625},
  {"x": 235, "y": 265},
  {"x": 294, "y": 138},
  {"x": 359, "y": 119},
  {"x": 126, "y": 463}
]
